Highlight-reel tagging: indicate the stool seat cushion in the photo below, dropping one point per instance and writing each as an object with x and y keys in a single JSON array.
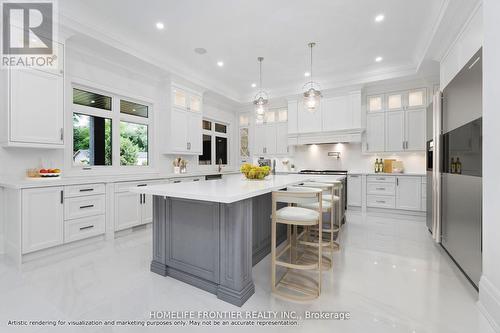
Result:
[
  {"x": 326, "y": 205},
  {"x": 328, "y": 197},
  {"x": 297, "y": 214}
]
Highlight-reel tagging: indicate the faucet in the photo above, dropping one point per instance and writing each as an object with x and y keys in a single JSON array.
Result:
[{"x": 220, "y": 165}]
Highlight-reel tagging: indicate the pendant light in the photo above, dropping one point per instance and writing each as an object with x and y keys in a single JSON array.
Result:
[
  {"x": 312, "y": 95},
  {"x": 261, "y": 100}
]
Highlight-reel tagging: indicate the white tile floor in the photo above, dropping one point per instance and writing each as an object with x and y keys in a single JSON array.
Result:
[{"x": 389, "y": 275}]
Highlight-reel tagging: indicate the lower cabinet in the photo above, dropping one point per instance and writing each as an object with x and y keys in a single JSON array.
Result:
[
  {"x": 132, "y": 209},
  {"x": 394, "y": 192},
  {"x": 354, "y": 191},
  {"x": 42, "y": 218}
]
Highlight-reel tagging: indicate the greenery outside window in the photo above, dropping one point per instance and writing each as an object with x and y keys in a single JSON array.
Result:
[{"x": 110, "y": 131}]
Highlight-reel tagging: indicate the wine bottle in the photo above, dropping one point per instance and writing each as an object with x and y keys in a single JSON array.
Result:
[
  {"x": 453, "y": 166},
  {"x": 381, "y": 167},
  {"x": 376, "y": 166},
  {"x": 458, "y": 166}
]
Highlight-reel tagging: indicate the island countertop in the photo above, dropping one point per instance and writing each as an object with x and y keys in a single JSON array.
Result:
[{"x": 231, "y": 188}]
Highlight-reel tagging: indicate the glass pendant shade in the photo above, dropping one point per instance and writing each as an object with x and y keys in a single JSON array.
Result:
[
  {"x": 261, "y": 100},
  {"x": 312, "y": 96}
]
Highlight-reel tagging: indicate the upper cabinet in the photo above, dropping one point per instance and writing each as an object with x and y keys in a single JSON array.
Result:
[
  {"x": 34, "y": 104},
  {"x": 185, "y": 122},
  {"x": 341, "y": 113},
  {"x": 403, "y": 115},
  {"x": 271, "y": 134},
  {"x": 292, "y": 117},
  {"x": 309, "y": 122}
]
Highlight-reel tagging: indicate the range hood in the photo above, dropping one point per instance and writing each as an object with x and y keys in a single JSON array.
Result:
[{"x": 343, "y": 136}]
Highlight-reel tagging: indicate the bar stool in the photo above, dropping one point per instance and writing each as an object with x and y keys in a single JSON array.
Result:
[
  {"x": 295, "y": 284},
  {"x": 336, "y": 198},
  {"x": 328, "y": 206}
]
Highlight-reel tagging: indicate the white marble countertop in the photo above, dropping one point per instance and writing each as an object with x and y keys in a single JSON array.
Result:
[
  {"x": 64, "y": 181},
  {"x": 229, "y": 189}
]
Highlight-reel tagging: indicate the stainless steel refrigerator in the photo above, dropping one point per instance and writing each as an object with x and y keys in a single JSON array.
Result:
[{"x": 458, "y": 197}]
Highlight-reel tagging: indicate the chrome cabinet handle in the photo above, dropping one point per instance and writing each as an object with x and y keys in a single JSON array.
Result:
[
  {"x": 62, "y": 134},
  {"x": 86, "y": 190},
  {"x": 380, "y": 201},
  {"x": 87, "y": 206},
  {"x": 380, "y": 188}
]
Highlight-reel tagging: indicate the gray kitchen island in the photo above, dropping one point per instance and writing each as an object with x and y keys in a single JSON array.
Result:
[{"x": 210, "y": 234}]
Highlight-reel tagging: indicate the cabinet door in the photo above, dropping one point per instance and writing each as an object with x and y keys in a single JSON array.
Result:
[
  {"x": 194, "y": 133},
  {"x": 355, "y": 108},
  {"x": 42, "y": 218},
  {"x": 415, "y": 129},
  {"x": 147, "y": 209},
  {"x": 128, "y": 210},
  {"x": 336, "y": 114},
  {"x": 375, "y": 132},
  {"x": 417, "y": 99},
  {"x": 259, "y": 140},
  {"x": 375, "y": 103},
  {"x": 270, "y": 139},
  {"x": 281, "y": 138},
  {"x": 408, "y": 193},
  {"x": 194, "y": 103},
  {"x": 354, "y": 190},
  {"x": 179, "y": 128},
  {"x": 308, "y": 122},
  {"x": 292, "y": 117},
  {"x": 36, "y": 107},
  {"x": 395, "y": 101},
  {"x": 395, "y": 131},
  {"x": 180, "y": 99}
]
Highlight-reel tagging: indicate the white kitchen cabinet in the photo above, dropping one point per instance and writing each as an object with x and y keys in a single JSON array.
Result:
[
  {"x": 355, "y": 108},
  {"x": 409, "y": 193},
  {"x": 185, "y": 122},
  {"x": 292, "y": 117},
  {"x": 336, "y": 114},
  {"x": 417, "y": 99},
  {"x": 309, "y": 122},
  {"x": 375, "y": 103},
  {"x": 271, "y": 139},
  {"x": 281, "y": 138},
  {"x": 354, "y": 192},
  {"x": 415, "y": 129},
  {"x": 42, "y": 218},
  {"x": 132, "y": 209},
  {"x": 375, "y": 132},
  {"x": 35, "y": 109},
  {"x": 395, "y": 131},
  {"x": 395, "y": 101}
]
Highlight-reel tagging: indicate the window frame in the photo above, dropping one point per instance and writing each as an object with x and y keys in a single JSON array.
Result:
[
  {"x": 213, "y": 134},
  {"x": 244, "y": 159},
  {"x": 116, "y": 117}
]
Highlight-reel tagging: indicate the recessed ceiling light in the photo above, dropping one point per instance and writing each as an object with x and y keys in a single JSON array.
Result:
[
  {"x": 379, "y": 59},
  {"x": 307, "y": 74},
  {"x": 200, "y": 50},
  {"x": 160, "y": 25},
  {"x": 379, "y": 18},
  {"x": 254, "y": 85},
  {"x": 220, "y": 63}
]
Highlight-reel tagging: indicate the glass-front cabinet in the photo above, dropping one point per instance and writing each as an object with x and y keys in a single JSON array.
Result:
[{"x": 186, "y": 100}]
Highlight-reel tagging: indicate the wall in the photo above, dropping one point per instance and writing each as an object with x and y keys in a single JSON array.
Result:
[
  {"x": 463, "y": 48},
  {"x": 351, "y": 158},
  {"x": 489, "y": 285}
]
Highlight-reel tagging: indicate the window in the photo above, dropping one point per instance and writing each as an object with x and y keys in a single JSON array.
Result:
[
  {"x": 101, "y": 119},
  {"x": 243, "y": 138},
  {"x": 215, "y": 143},
  {"x": 92, "y": 143},
  {"x": 133, "y": 144}
]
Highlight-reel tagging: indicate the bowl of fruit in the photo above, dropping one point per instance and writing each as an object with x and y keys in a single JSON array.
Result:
[
  {"x": 254, "y": 172},
  {"x": 49, "y": 173}
]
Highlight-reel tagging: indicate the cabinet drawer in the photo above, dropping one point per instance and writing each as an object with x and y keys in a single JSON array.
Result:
[
  {"x": 380, "y": 201},
  {"x": 78, "y": 207},
  {"x": 124, "y": 187},
  {"x": 83, "y": 190},
  {"x": 84, "y": 227},
  {"x": 381, "y": 179},
  {"x": 381, "y": 189}
]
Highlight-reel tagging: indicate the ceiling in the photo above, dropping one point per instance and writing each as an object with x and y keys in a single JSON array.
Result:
[{"x": 237, "y": 32}]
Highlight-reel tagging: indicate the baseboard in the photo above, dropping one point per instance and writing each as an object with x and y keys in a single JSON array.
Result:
[{"x": 489, "y": 302}]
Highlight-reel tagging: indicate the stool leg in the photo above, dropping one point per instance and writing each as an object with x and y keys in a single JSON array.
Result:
[{"x": 273, "y": 249}]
